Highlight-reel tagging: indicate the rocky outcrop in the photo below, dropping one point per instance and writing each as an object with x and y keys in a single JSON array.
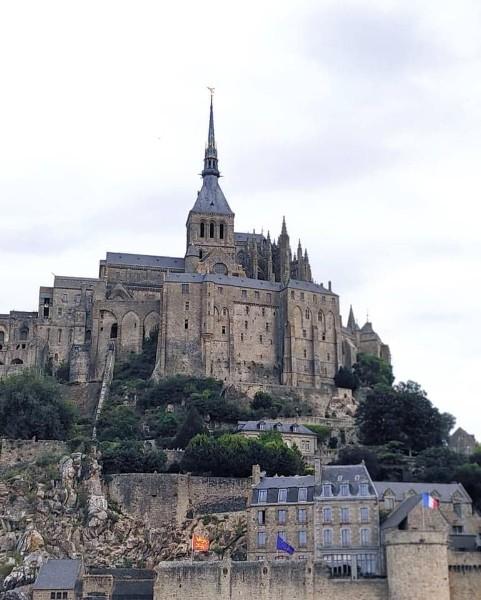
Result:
[{"x": 61, "y": 510}]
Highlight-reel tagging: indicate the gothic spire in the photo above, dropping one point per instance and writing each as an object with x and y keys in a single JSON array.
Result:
[
  {"x": 211, "y": 166},
  {"x": 351, "y": 321}
]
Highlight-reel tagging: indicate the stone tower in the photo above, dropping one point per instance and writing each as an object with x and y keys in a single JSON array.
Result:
[
  {"x": 417, "y": 565},
  {"x": 210, "y": 224}
]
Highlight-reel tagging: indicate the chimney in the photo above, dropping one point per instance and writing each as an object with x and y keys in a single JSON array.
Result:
[
  {"x": 330, "y": 286},
  {"x": 317, "y": 471},
  {"x": 256, "y": 474}
]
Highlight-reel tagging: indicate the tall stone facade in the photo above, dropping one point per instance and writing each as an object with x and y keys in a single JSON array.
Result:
[{"x": 238, "y": 306}]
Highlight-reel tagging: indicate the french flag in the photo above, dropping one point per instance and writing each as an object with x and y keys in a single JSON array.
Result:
[{"x": 429, "y": 501}]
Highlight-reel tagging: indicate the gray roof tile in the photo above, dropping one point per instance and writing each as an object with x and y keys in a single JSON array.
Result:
[
  {"x": 144, "y": 260},
  {"x": 273, "y": 426},
  {"x": 401, "y": 488},
  {"x": 211, "y": 199},
  {"x": 58, "y": 575}
]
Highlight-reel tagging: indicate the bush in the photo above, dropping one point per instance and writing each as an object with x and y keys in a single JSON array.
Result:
[
  {"x": 345, "y": 378},
  {"x": 31, "y": 405},
  {"x": 371, "y": 370},
  {"x": 322, "y": 431},
  {"x": 232, "y": 455},
  {"x": 131, "y": 457},
  {"x": 118, "y": 423}
]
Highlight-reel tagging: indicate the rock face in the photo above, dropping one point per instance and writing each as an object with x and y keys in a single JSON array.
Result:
[{"x": 61, "y": 510}]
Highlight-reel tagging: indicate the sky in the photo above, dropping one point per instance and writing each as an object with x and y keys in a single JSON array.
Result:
[{"x": 360, "y": 121}]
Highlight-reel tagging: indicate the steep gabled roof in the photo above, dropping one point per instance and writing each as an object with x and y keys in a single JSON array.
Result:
[{"x": 58, "y": 575}]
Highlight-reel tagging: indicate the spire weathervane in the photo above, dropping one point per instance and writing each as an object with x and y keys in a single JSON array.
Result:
[{"x": 210, "y": 157}]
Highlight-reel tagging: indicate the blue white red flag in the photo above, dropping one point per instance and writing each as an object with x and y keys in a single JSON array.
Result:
[
  {"x": 429, "y": 501},
  {"x": 281, "y": 544}
]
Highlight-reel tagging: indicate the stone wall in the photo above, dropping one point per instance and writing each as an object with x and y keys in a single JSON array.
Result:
[
  {"x": 299, "y": 580},
  {"x": 164, "y": 497},
  {"x": 464, "y": 575},
  {"x": 21, "y": 451}
]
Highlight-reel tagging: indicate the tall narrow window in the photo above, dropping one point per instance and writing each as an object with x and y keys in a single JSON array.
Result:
[
  {"x": 59, "y": 336},
  {"x": 186, "y": 324},
  {"x": 114, "y": 331},
  {"x": 221, "y": 231},
  {"x": 211, "y": 230},
  {"x": 327, "y": 537},
  {"x": 202, "y": 230}
]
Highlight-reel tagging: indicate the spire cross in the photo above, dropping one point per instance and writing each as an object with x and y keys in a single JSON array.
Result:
[{"x": 211, "y": 90}]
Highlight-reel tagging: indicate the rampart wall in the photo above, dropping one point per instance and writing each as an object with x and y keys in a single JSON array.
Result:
[
  {"x": 293, "y": 580},
  {"x": 163, "y": 497},
  {"x": 13, "y": 452}
]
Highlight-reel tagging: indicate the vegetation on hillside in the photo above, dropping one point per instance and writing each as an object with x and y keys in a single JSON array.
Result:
[
  {"x": 233, "y": 455},
  {"x": 32, "y": 406}
]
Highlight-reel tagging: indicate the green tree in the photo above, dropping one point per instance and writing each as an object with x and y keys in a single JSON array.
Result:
[
  {"x": 232, "y": 455},
  {"x": 403, "y": 414},
  {"x": 118, "y": 422},
  {"x": 193, "y": 424},
  {"x": 131, "y": 457},
  {"x": 346, "y": 378},
  {"x": 371, "y": 370},
  {"x": 262, "y": 401},
  {"x": 31, "y": 405},
  {"x": 438, "y": 464},
  {"x": 469, "y": 474},
  {"x": 323, "y": 432}
]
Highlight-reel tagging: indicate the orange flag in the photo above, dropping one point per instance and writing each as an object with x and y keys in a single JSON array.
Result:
[{"x": 200, "y": 543}]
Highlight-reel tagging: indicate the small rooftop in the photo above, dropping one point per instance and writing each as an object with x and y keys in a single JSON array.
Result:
[
  {"x": 58, "y": 574},
  {"x": 263, "y": 425},
  {"x": 400, "y": 489},
  {"x": 144, "y": 260}
]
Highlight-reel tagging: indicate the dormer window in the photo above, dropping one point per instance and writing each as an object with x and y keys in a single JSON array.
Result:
[
  {"x": 262, "y": 498},
  {"x": 344, "y": 489},
  {"x": 302, "y": 494},
  {"x": 327, "y": 489},
  {"x": 295, "y": 428},
  {"x": 282, "y": 495},
  {"x": 364, "y": 489},
  {"x": 261, "y": 425}
]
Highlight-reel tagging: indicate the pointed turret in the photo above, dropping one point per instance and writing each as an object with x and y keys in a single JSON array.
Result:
[
  {"x": 284, "y": 254},
  {"x": 211, "y": 163},
  {"x": 351, "y": 321}
]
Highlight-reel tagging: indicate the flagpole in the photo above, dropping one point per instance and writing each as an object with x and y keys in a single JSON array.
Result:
[{"x": 422, "y": 503}]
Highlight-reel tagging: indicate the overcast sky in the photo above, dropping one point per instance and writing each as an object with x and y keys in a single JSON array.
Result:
[{"x": 359, "y": 121}]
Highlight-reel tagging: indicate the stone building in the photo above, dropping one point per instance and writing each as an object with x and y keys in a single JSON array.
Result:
[
  {"x": 462, "y": 442},
  {"x": 332, "y": 516},
  {"x": 238, "y": 306},
  {"x": 292, "y": 434},
  {"x": 58, "y": 580},
  {"x": 335, "y": 516}
]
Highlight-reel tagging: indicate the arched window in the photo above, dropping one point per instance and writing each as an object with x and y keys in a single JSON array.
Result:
[
  {"x": 308, "y": 313},
  {"x": 17, "y": 361},
  {"x": 211, "y": 230},
  {"x": 24, "y": 333},
  {"x": 114, "y": 331},
  {"x": 200, "y": 254},
  {"x": 2, "y": 337},
  {"x": 202, "y": 230},
  {"x": 221, "y": 231},
  {"x": 319, "y": 316},
  {"x": 88, "y": 335}
]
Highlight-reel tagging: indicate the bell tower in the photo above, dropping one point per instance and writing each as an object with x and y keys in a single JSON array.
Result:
[{"x": 210, "y": 224}]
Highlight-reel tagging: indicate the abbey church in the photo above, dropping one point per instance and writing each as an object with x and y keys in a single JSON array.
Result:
[{"x": 238, "y": 306}]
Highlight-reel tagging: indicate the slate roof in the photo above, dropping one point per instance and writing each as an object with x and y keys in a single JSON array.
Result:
[
  {"x": 401, "y": 488},
  {"x": 401, "y": 512},
  {"x": 144, "y": 260},
  {"x": 75, "y": 283},
  {"x": 286, "y": 482},
  {"x": 245, "y": 282},
  {"x": 58, "y": 575},
  {"x": 464, "y": 542},
  {"x": 211, "y": 199},
  {"x": 240, "y": 236},
  {"x": 273, "y": 426},
  {"x": 309, "y": 287}
]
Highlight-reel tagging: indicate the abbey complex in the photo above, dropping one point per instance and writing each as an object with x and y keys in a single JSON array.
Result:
[
  {"x": 242, "y": 313},
  {"x": 238, "y": 306}
]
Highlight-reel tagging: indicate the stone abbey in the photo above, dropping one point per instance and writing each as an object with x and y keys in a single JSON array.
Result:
[{"x": 238, "y": 306}]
